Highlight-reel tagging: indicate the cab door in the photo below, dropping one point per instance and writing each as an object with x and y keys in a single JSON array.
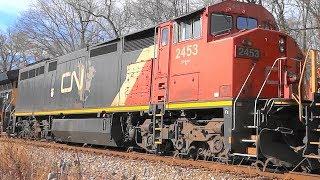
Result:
[{"x": 161, "y": 64}]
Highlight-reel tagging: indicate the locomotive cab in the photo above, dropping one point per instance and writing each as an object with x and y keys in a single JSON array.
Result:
[
  {"x": 228, "y": 18},
  {"x": 220, "y": 41},
  {"x": 224, "y": 59}
]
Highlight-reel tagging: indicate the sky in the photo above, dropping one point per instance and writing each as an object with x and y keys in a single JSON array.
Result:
[{"x": 10, "y": 10}]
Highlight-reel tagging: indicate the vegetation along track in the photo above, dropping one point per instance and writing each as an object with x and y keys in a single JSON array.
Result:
[{"x": 212, "y": 166}]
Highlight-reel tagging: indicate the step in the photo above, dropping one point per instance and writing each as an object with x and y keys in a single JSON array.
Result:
[
  {"x": 312, "y": 156},
  {"x": 252, "y": 150},
  {"x": 315, "y": 143},
  {"x": 252, "y": 127},
  {"x": 249, "y": 140},
  {"x": 253, "y": 139},
  {"x": 247, "y": 155}
]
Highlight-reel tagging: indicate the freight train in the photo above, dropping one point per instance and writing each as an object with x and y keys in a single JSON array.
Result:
[{"x": 221, "y": 82}]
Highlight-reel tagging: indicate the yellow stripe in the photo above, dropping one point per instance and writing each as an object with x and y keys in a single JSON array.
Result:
[
  {"x": 191, "y": 105},
  {"x": 85, "y": 111}
]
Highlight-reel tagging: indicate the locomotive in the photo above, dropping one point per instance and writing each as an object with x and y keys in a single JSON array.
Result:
[
  {"x": 220, "y": 82},
  {"x": 8, "y": 96}
]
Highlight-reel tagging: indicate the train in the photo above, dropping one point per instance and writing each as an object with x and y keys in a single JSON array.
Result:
[{"x": 221, "y": 82}]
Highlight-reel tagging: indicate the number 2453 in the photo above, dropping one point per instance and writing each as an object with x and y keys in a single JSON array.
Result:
[{"x": 187, "y": 51}]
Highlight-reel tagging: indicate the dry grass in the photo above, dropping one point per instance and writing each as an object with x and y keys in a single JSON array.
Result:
[
  {"x": 24, "y": 162},
  {"x": 15, "y": 162},
  {"x": 18, "y": 162}
]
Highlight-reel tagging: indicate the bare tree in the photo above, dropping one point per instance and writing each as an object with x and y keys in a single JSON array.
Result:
[
  {"x": 151, "y": 12},
  {"x": 7, "y": 53},
  {"x": 15, "y": 51},
  {"x": 59, "y": 28},
  {"x": 101, "y": 9}
]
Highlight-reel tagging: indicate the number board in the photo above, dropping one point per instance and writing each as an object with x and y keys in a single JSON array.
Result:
[
  {"x": 187, "y": 51},
  {"x": 247, "y": 52}
]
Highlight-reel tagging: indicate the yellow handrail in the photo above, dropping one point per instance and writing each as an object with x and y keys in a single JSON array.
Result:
[{"x": 314, "y": 82}]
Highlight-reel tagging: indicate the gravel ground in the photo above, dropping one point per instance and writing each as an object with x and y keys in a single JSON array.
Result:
[{"x": 44, "y": 163}]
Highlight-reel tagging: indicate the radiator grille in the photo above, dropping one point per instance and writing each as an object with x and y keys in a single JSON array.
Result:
[
  {"x": 140, "y": 43},
  {"x": 104, "y": 50}
]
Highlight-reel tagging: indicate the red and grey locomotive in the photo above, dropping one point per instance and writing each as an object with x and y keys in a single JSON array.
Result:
[{"x": 216, "y": 83}]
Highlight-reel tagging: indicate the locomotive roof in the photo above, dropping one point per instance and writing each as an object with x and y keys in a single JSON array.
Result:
[
  {"x": 137, "y": 32},
  {"x": 150, "y": 28}
]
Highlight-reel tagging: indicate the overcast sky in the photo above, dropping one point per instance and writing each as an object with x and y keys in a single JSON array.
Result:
[{"x": 9, "y": 11}]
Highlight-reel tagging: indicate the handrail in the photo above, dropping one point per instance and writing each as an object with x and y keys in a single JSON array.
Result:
[
  {"x": 240, "y": 92},
  {"x": 300, "y": 84},
  {"x": 264, "y": 83},
  {"x": 262, "y": 87}
]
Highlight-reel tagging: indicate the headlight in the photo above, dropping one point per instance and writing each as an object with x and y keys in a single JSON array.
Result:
[
  {"x": 282, "y": 45},
  {"x": 281, "y": 41},
  {"x": 247, "y": 42}
]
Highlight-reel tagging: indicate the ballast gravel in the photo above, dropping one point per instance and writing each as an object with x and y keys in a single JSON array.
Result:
[{"x": 46, "y": 163}]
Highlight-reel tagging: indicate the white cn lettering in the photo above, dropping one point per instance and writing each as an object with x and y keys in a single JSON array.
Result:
[{"x": 74, "y": 77}]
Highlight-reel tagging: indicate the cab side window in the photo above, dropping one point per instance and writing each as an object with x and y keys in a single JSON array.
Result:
[
  {"x": 196, "y": 27},
  {"x": 246, "y": 23},
  {"x": 220, "y": 23},
  {"x": 187, "y": 29},
  {"x": 165, "y": 37}
]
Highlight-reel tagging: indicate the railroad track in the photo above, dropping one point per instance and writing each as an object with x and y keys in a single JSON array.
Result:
[{"x": 251, "y": 172}]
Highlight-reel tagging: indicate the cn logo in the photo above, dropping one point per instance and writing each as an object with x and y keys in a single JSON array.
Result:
[{"x": 78, "y": 78}]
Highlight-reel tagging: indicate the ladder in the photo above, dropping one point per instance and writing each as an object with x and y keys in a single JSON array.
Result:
[
  {"x": 309, "y": 113},
  {"x": 252, "y": 128},
  {"x": 158, "y": 112},
  {"x": 312, "y": 119},
  {"x": 7, "y": 115},
  {"x": 249, "y": 142},
  {"x": 157, "y": 122}
]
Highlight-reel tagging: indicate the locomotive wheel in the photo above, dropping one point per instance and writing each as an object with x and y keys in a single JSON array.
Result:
[
  {"x": 180, "y": 143},
  {"x": 223, "y": 157},
  {"x": 200, "y": 152},
  {"x": 218, "y": 145},
  {"x": 192, "y": 152},
  {"x": 176, "y": 154},
  {"x": 259, "y": 165},
  {"x": 24, "y": 135}
]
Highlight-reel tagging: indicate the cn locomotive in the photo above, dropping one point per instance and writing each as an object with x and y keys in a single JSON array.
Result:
[{"x": 220, "y": 82}]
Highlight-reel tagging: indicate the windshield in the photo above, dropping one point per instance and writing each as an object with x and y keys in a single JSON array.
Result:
[
  {"x": 246, "y": 23},
  {"x": 220, "y": 23}
]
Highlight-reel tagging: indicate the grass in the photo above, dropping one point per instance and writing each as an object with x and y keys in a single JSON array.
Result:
[
  {"x": 18, "y": 162},
  {"x": 15, "y": 162}
]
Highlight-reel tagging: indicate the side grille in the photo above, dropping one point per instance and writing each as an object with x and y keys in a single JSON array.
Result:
[
  {"x": 139, "y": 43},
  {"x": 104, "y": 50}
]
